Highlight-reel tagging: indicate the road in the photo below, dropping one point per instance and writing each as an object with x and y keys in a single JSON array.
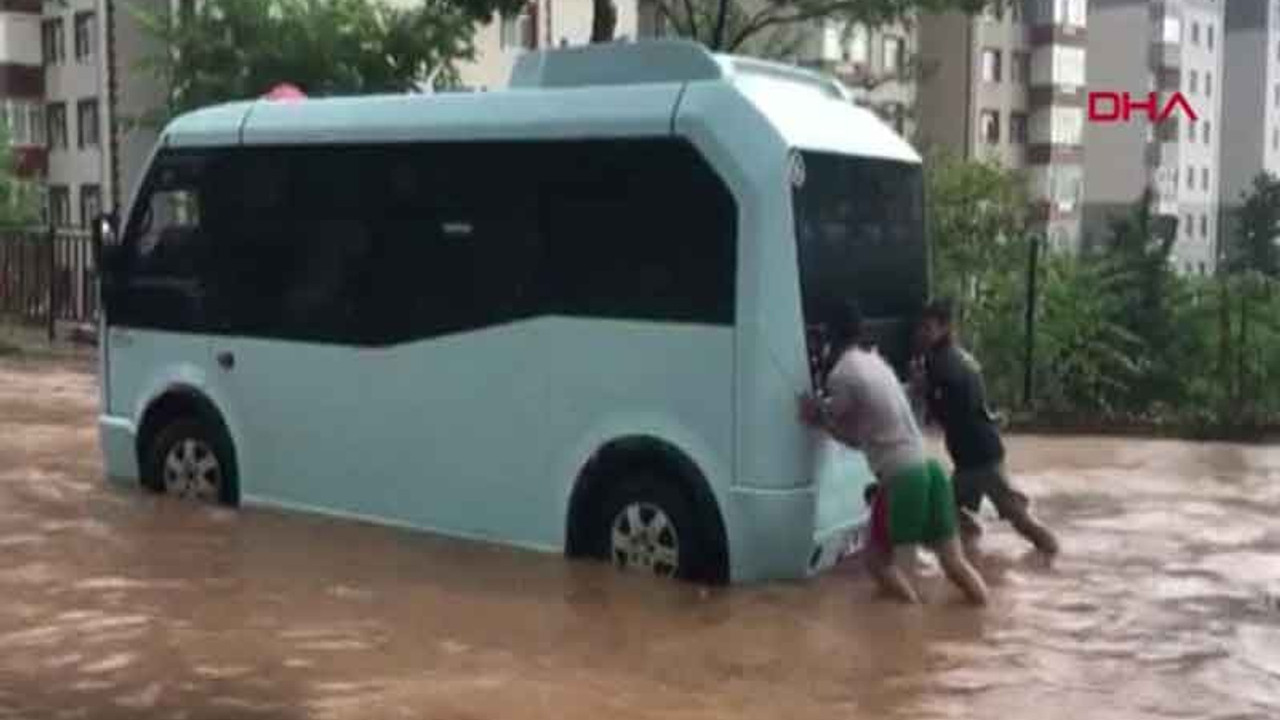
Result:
[{"x": 114, "y": 603}]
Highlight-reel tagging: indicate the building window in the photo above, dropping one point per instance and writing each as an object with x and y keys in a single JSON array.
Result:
[
  {"x": 90, "y": 203},
  {"x": 87, "y": 123},
  {"x": 991, "y": 66},
  {"x": 990, "y": 127},
  {"x": 59, "y": 205},
  {"x": 1191, "y": 132},
  {"x": 892, "y": 50},
  {"x": 1204, "y": 179},
  {"x": 1208, "y": 84},
  {"x": 1208, "y": 128},
  {"x": 53, "y": 41},
  {"x": 1209, "y": 30},
  {"x": 1193, "y": 82},
  {"x": 1204, "y": 226},
  {"x": 15, "y": 122},
  {"x": 1015, "y": 11},
  {"x": 57, "y": 122},
  {"x": 1020, "y": 70},
  {"x": 35, "y": 116},
  {"x": 1191, "y": 178},
  {"x": 1195, "y": 33},
  {"x": 898, "y": 117},
  {"x": 518, "y": 31},
  {"x": 86, "y": 36},
  {"x": 1190, "y": 226},
  {"x": 1018, "y": 128},
  {"x": 859, "y": 46}
]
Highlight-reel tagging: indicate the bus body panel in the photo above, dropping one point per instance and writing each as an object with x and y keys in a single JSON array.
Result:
[
  {"x": 572, "y": 113},
  {"x": 422, "y": 433},
  {"x": 604, "y": 385}
]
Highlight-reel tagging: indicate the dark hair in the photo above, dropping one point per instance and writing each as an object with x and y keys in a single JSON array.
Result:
[{"x": 938, "y": 310}]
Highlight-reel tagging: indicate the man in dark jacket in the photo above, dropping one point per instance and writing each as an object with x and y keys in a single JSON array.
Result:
[{"x": 956, "y": 399}]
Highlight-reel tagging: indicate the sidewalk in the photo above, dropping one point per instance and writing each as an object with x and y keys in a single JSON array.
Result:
[{"x": 72, "y": 343}]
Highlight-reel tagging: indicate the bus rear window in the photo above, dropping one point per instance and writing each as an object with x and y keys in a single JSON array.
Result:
[
  {"x": 860, "y": 234},
  {"x": 860, "y": 229}
]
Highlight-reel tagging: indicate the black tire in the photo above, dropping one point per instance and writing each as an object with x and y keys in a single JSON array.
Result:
[
  {"x": 207, "y": 441},
  {"x": 651, "y": 493}
]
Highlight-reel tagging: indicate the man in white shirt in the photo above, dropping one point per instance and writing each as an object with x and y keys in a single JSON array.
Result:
[{"x": 866, "y": 408}]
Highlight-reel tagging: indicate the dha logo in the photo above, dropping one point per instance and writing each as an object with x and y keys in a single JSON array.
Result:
[{"x": 1114, "y": 107}]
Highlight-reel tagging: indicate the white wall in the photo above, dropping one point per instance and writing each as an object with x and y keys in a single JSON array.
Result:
[{"x": 20, "y": 39}]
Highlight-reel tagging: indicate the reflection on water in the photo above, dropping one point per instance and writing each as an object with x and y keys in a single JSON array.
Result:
[{"x": 118, "y": 604}]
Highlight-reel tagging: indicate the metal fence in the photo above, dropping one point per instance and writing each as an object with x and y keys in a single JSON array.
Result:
[{"x": 47, "y": 275}]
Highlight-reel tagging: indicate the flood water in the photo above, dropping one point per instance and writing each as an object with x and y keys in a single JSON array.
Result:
[{"x": 118, "y": 604}]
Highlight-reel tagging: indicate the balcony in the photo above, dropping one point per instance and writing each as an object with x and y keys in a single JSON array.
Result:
[{"x": 1165, "y": 56}]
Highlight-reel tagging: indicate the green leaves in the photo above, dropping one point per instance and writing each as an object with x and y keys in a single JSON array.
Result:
[
  {"x": 19, "y": 198},
  {"x": 1254, "y": 247},
  {"x": 238, "y": 49}
]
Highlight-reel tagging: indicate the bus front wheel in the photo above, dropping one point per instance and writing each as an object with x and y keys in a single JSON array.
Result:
[
  {"x": 192, "y": 461},
  {"x": 647, "y": 525}
]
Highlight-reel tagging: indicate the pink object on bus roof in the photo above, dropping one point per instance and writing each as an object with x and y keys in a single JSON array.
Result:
[{"x": 285, "y": 91}]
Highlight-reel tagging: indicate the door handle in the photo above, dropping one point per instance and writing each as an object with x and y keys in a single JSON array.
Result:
[{"x": 226, "y": 360}]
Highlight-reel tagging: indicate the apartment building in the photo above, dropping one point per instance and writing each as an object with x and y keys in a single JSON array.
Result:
[
  {"x": 50, "y": 87},
  {"x": 22, "y": 84},
  {"x": 1008, "y": 85},
  {"x": 1251, "y": 96},
  {"x": 877, "y": 64},
  {"x": 74, "y": 117},
  {"x": 1160, "y": 46},
  {"x": 542, "y": 24}
]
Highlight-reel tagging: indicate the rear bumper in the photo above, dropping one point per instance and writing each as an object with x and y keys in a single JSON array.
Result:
[{"x": 118, "y": 439}]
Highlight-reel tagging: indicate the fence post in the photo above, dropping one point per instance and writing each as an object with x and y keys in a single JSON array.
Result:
[
  {"x": 1028, "y": 377},
  {"x": 53, "y": 281}
]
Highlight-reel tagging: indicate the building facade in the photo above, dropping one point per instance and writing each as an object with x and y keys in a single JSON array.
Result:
[
  {"x": 1008, "y": 85},
  {"x": 1251, "y": 97},
  {"x": 1161, "y": 47},
  {"x": 71, "y": 46},
  {"x": 22, "y": 84},
  {"x": 878, "y": 65}
]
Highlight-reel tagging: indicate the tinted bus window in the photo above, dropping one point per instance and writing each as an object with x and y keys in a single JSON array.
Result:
[{"x": 860, "y": 235}]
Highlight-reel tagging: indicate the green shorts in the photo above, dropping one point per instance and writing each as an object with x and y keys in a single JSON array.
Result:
[{"x": 921, "y": 506}]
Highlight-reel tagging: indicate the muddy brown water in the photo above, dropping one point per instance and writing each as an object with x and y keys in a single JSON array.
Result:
[{"x": 118, "y": 604}]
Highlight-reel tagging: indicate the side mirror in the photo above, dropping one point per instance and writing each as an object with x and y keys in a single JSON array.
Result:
[{"x": 106, "y": 245}]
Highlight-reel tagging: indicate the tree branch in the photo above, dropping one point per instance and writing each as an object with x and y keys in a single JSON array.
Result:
[{"x": 770, "y": 16}]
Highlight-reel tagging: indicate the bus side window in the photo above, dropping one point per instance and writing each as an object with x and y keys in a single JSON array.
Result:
[
  {"x": 165, "y": 233},
  {"x": 170, "y": 245}
]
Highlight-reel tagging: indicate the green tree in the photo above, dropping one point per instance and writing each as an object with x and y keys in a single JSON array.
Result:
[
  {"x": 224, "y": 50},
  {"x": 1254, "y": 247},
  {"x": 977, "y": 223},
  {"x": 977, "y": 213},
  {"x": 19, "y": 198}
]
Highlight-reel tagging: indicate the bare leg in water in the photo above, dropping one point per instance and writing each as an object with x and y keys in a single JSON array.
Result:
[
  {"x": 886, "y": 567},
  {"x": 951, "y": 556}
]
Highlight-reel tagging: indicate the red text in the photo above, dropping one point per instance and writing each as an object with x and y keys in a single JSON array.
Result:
[{"x": 1113, "y": 107}]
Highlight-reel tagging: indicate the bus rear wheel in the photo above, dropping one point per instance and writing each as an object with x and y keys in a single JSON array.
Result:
[
  {"x": 647, "y": 526},
  {"x": 191, "y": 461}
]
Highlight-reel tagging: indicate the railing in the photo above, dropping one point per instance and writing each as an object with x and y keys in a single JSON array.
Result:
[{"x": 48, "y": 275}]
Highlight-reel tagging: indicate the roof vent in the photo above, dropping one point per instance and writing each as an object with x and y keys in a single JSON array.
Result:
[{"x": 616, "y": 63}]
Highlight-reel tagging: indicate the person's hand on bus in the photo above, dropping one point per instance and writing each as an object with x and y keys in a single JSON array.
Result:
[{"x": 809, "y": 410}]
